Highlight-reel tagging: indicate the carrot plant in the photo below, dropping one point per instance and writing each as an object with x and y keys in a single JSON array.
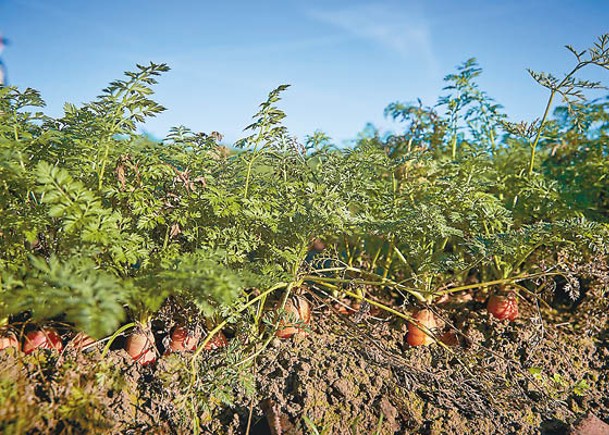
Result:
[{"x": 570, "y": 87}]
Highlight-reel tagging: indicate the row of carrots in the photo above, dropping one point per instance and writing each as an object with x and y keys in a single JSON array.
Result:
[
  {"x": 140, "y": 343},
  {"x": 500, "y": 306}
]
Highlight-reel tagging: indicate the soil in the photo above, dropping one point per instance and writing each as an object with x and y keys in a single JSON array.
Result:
[{"x": 539, "y": 374}]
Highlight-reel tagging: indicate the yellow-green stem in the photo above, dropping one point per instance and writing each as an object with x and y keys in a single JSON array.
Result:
[
  {"x": 248, "y": 176},
  {"x": 103, "y": 167},
  {"x": 389, "y": 259},
  {"x": 495, "y": 282},
  {"x": 258, "y": 352},
  {"x": 116, "y": 334},
  {"x": 327, "y": 282},
  {"x": 166, "y": 239},
  {"x": 540, "y": 131},
  {"x": 251, "y": 163},
  {"x": 376, "y": 257}
]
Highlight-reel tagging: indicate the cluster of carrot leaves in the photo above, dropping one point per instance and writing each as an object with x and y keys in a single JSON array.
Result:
[{"x": 97, "y": 217}]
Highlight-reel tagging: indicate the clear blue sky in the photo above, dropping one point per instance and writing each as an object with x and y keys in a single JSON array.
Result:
[{"x": 345, "y": 59}]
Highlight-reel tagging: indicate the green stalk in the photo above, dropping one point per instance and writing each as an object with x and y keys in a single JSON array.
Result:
[
  {"x": 259, "y": 313},
  {"x": 166, "y": 239},
  {"x": 248, "y": 176},
  {"x": 251, "y": 163},
  {"x": 103, "y": 167},
  {"x": 258, "y": 352},
  {"x": 196, "y": 422},
  {"x": 402, "y": 258},
  {"x": 495, "y": 282},
  {"x": 116, "y": 334},
  {"x": 376, "y": 257},
  {"x": 540, "y": 131},
  {"x": 389, "y": 259},
  {"x": 350, "y": 253},
  {"x": 553, "y": 91},
  {"x": 327, "y": 282}
]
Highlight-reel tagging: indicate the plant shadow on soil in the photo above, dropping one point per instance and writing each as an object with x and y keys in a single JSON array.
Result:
[{"x": 526, "y": 376}]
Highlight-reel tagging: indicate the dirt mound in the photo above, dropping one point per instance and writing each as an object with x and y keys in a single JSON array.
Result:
[{"x": 527, "y": 376}]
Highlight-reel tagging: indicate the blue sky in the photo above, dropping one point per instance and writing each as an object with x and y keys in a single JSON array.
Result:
[{"x": 345, "y": 59}]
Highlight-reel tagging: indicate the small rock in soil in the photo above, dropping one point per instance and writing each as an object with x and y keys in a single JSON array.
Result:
[{"x": 589, "y": 424}]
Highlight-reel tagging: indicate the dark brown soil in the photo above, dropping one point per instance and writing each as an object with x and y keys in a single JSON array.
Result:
[{"x": 534, "y": 375}]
